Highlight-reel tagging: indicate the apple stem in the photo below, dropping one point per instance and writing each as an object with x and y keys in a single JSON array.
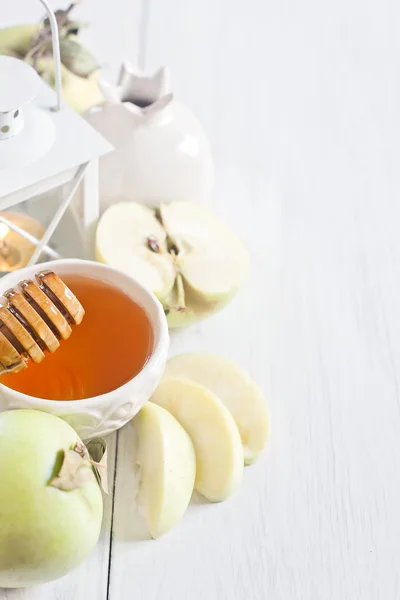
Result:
[{"x": 180, "y": 290}]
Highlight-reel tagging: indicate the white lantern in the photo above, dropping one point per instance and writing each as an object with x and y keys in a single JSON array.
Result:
[{"x": 46, "y": 151}]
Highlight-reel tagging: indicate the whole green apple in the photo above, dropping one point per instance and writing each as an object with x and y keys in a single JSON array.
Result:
[{"x": 50, "y": 501}]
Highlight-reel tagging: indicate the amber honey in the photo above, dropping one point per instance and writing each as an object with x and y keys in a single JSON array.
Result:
[{"x": 109, "y": 347}]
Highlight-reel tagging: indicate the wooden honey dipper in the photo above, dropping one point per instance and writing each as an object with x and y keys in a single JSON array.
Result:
[{"x": 34, "y": 318}]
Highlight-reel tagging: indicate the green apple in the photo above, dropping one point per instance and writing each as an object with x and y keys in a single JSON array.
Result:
[
  {"x": 167, "y": 463},
  {"x": 79, "y": 71},
  {"x": 235, "y": 388},
  {"x": 80, "y": 93},
  {"x": 50, "y": 516},
  {"x": 216, "y": 439},
  {"x": 17, "y": 39}
]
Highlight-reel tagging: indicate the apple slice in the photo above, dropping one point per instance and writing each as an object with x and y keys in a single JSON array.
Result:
[
  {"x": 167, "y": 463},
  {"x": 182, "y": 252},
  {"x": 131, "y": 239},
  {"x": 237, "y": 391},
  {"x": 216, "y": 439}
]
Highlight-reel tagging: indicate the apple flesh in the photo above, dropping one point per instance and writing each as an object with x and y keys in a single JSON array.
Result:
[
  {"x": 215, "y": 437},
  {"x": 44, "y": 531},
  {"x": 125, "y": 236},
  {"x": 167, "y": 463},
  {"x": 211, "y": 258},
  {"x": 235, "y": 388}
]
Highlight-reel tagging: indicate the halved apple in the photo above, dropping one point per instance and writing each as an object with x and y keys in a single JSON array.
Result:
[
  {"x": 216, "y": 439},
  {"x": 237, "y": 391},
  {"x": 167, "y": 463},
  {"x": 192, "y": 261}
]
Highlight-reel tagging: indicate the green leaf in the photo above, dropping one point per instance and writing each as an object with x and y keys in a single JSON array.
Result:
[{"x": 97, "y": 448}]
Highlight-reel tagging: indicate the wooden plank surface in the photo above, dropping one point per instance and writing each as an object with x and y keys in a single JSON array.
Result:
[{"x": 300, "y": 101}]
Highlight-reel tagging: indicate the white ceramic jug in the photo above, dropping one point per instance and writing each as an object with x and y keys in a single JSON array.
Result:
[{"x": 161, "y": 151}]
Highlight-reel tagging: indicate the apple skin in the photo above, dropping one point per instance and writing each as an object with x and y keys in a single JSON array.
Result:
[
  {"x": 44, "y": 531},
  {"x": 195, "y": 311}
]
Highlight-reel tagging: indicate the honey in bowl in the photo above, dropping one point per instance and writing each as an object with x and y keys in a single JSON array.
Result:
[{"x": 110, "y": 346}]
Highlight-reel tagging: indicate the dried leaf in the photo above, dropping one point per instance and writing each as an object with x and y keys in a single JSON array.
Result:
[
  {"x": 62, "y": 17},
  {"x": 74, "y": 472},
  {"x": 82, "y": 450},
  {"x": 97, "y": 449},
  {"x": 77, "y": 58}
]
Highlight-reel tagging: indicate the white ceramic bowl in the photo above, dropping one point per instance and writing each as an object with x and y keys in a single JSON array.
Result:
[{"x": 101, "y": 414}]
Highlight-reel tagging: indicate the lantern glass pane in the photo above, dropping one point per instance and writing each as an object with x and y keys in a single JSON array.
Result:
[
  {"x": 66, "y": 238},
  {"x": 51, "y": 217}
]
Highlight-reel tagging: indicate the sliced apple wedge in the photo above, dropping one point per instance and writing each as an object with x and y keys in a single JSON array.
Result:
[
  {"x": 216, "y": 439},
  {"x": 237, "y": 391},
  {"x": 192, "y": 261},
  {"x": 167, "y": 463}
]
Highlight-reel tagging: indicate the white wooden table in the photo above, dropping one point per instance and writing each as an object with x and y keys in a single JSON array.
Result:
[{"x": 301, "y": 101}]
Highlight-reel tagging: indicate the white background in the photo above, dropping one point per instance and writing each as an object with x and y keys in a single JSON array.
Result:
[{"x": 301, "y": 103}]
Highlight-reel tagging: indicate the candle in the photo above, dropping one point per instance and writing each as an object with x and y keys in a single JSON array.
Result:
[{"x": 15, "y": 250}]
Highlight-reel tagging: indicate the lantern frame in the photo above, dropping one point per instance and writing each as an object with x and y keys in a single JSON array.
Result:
[{"x": 72, "y": 160}]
